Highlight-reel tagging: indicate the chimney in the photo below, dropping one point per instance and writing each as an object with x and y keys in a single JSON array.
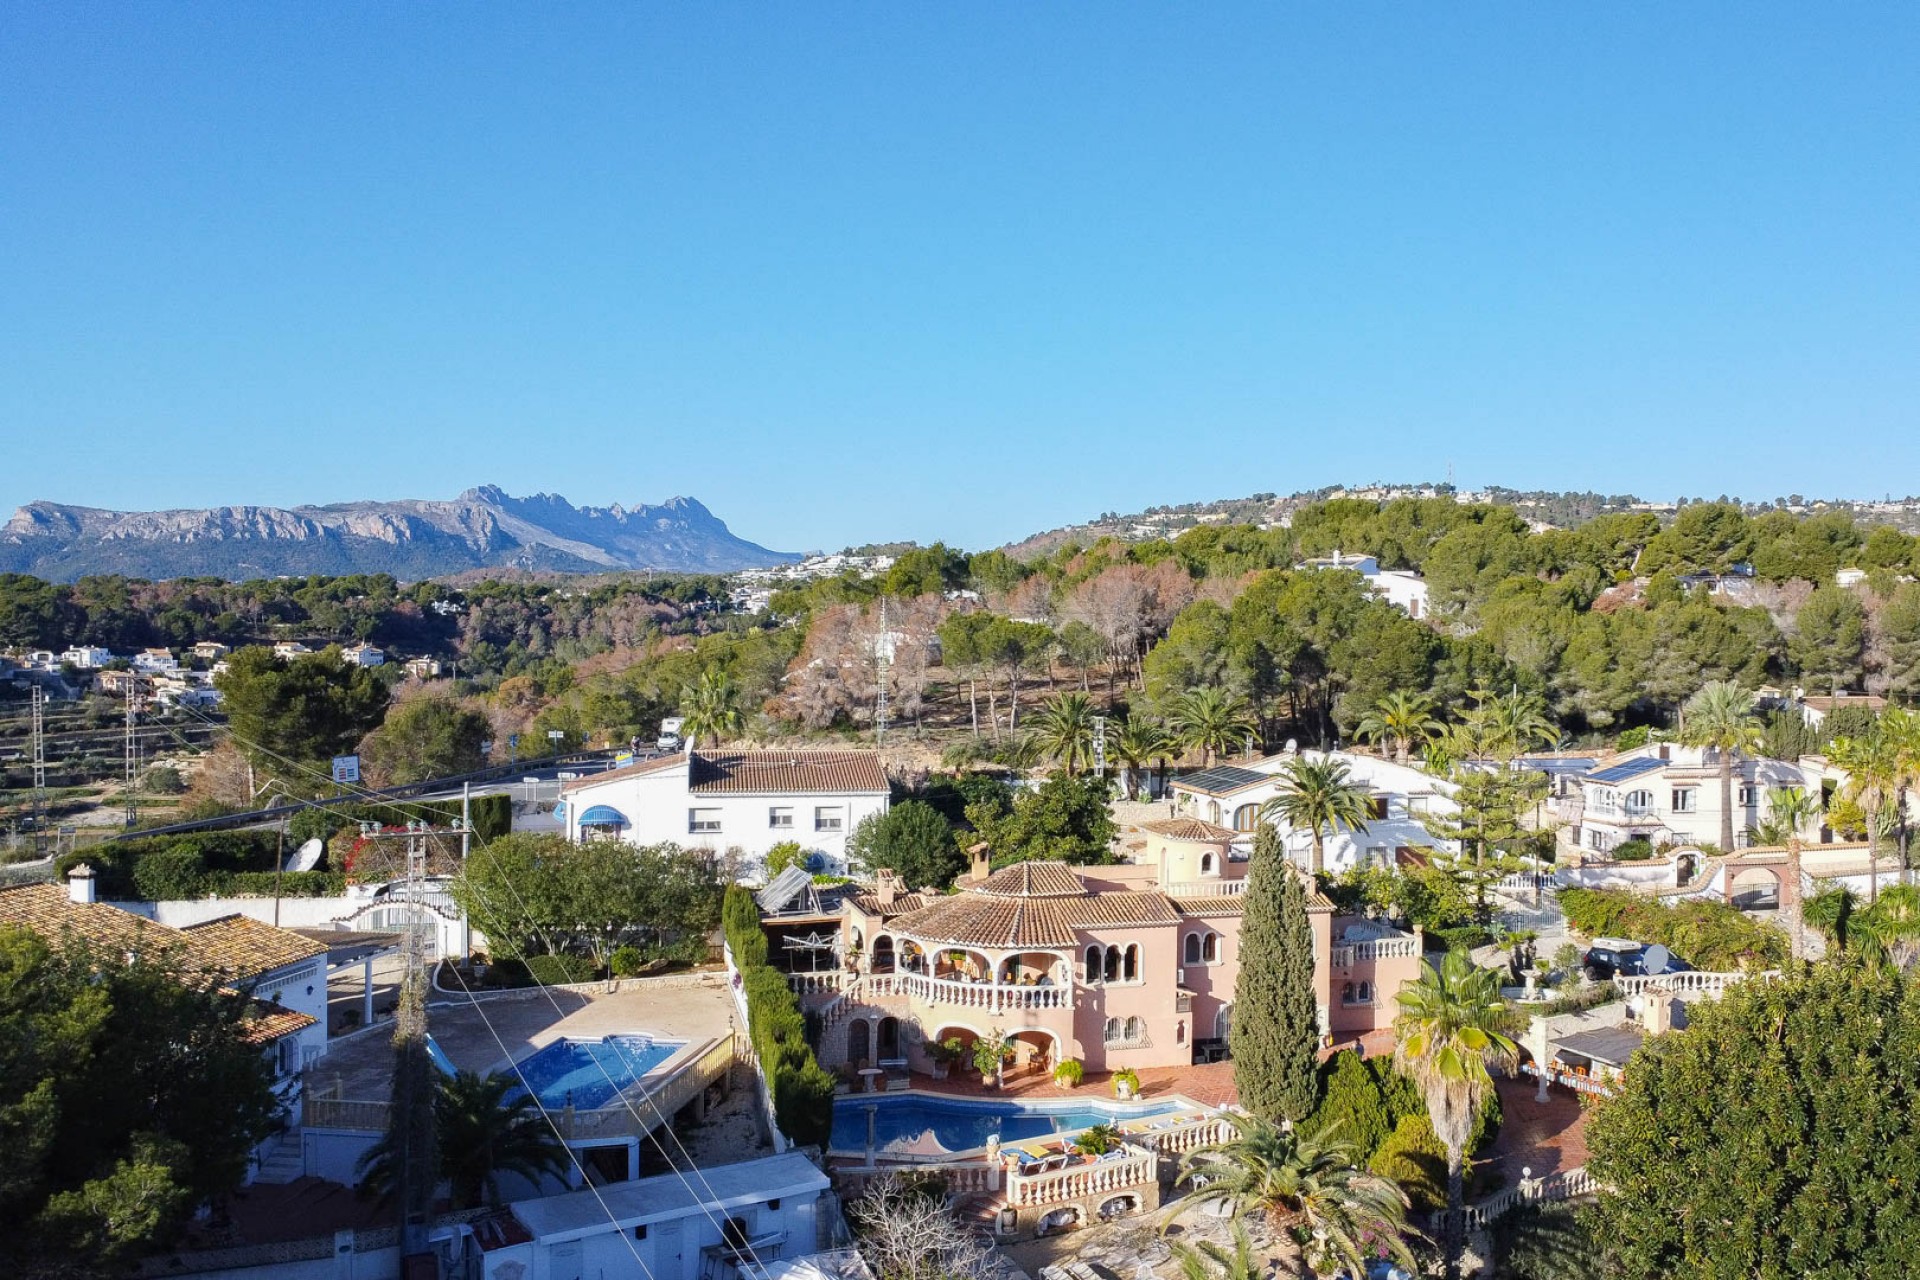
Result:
[
  {"x": 80, "y": 884},
  {"x": 982, "y": 861},
  {"x": 886, "y": 886},
  {"x": 1657, "y": 1018}
]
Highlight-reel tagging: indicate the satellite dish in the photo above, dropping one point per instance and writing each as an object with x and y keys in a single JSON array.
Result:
[
  {"x": 307, "y": 857},
  {"x": 1293, "y": 746},
  {"x": 1659, "y": 959},
  {"x": 815, "y": 863}
]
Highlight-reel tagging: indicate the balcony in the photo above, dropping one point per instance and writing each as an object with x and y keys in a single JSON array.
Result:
[
  {"x": 1207, "y": 888},
  {"x": 986, "y": 996},
  {"x": 1349, "y": 954}
]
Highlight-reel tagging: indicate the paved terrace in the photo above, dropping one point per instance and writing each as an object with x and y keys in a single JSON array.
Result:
[{"x": 523, "y": 1021}]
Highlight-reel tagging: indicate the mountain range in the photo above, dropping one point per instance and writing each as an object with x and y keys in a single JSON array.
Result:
[{"x": 484, "y": 527}]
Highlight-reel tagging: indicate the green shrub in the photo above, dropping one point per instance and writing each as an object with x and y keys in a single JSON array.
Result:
[
  {"x": 627, "y": 961},
  {"x": 1708, "y": 935},
  {"x": 1069, "y": 1073},
  {"x": 559, "y": 970},
  {"x": 314, "y": 824},
  {"x": 1352, "y": 1107},
  {"x": 1637, "y": 850},
  {"x": 1414, "y": 1157},
  {"x": 1463, "y": 937},
  {"x": 802, "y": 1090}
]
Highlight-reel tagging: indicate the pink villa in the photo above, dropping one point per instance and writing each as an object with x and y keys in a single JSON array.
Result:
[{"x": 1131, "y": 965}]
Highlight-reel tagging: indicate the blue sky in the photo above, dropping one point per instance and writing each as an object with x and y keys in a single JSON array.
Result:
[{"x": 962, "y": 272}]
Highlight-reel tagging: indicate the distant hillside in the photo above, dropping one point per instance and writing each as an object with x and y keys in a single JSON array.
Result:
[
  {"x": 1563, "y": 510},
  {"x": 482, "y": 528}
]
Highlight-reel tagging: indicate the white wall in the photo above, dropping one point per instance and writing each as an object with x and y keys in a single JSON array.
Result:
[
  {"x": 658, "y": 806},
  {"x": 357, "y": 911}
]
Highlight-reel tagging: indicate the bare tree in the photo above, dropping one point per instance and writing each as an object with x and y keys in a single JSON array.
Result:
[{"x": 906, "y": 1233}]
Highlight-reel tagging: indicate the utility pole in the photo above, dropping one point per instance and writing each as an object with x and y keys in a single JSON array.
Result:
[
  {"x": 1099, "y": 746},
  {"x": 413, "y": 1082},
  {"x": 882, "y": 651},
  {"x": 131, "y": 788},
  {"x": 39, "y": 804}
]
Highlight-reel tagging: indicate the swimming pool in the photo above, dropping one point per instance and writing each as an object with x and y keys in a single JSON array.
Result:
[
  {"x": 586, "y": 1074},
  {"x": 927, "y": 1126}
]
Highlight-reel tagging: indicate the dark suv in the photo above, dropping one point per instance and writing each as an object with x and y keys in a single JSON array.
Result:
[{"x": 1608, "y": 958}]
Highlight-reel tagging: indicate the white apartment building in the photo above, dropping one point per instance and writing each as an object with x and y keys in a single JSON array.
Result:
[
  {"x": 744, "y": 800},
  {"x": 364, "y": 655},
  {"x": 154, "y": 660},
  {"x": 1669, "y": 794},
  {"x": 1404, "y": 590},
  {"x": 1232, "y": 795}
]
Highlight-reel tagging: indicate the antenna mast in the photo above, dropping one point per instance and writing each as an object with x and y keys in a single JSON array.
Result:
[
  {"x": 39, "y": 804},
  {"x": 882, "y": 651},
  {"x": 132, "y": 785}
]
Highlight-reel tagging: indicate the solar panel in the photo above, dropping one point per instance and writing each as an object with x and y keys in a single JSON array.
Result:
[
  {"x": 1224, "y": 777},
  {"x": 786, "y": 886},
  {"x": 1628, "y": 769}
]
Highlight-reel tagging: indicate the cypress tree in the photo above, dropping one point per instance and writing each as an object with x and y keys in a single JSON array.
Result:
[{"x": 1276, "y": 1027}]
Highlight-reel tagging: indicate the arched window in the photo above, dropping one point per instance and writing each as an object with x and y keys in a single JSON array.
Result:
[
  {"x": 1112, "y": 1032},
  {"x": 1366, "y": 993},
  {"x": 1206, "y": 864},
  {"x": 1193, "y": 948},
  {"x": 1246, "y": 817},
  {"x": 1136, "y": 1029},
  {"x": 1130, "y": 967},
  {"x": 1111, "y": 971},
  {"x": 1213, "y": 813},
  {"x": 1346, "y": 993},
  {"x": 1210, "y": 948},
  {"x": 1179, "y": 1033},
  {"x": 1093, "y": 964}
]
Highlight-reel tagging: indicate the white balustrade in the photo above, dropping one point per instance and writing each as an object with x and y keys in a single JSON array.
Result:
[
  {"x": 809, "y": 984},
  {"x": 987, "y": 996},
  {"x": 1560, "y": 1186},
  {"x": 962, "y": 1177},
  {"x": 1078, "y": 1181},
  {"x": 1207, "y": 888},
  {"x": 1686, "y": 982},
  {"x": 1348, "y": 954}
]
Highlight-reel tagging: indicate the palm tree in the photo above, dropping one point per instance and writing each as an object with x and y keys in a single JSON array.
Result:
[
  {"x": 1449, "y": 1029},
  {"x": 1137, "y": 744},
  {"x": 1308, "y": 1187},
  {"x": 1212, "y": 720},
  {"x": 711, "y": 707},
  {"x": 1873, "y": 767},
  {"x": 480, "y": 1135},
  {"x": 1789, "y": 811},
  {"x": 1063, "y": 728},
  {"x": 1721, "y": 716},
  {"x": 1209, "y": 1261},
  {"x": 1401, "y": 718},
  {"x": 1318, "y": 795},
  {"x": 1902, "y": 728}
]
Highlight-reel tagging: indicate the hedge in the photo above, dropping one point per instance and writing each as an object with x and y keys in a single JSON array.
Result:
[
  {"x": 802, "y": 1089},
  {"x": 1707, "y": 935}
]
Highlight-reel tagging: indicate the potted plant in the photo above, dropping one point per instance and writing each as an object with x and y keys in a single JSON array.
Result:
[
  {"x": 944, "y": 1054},
  {"x": 1126, "y": 1083},
  {"x": 990, "y": 1053},
  {"x": 1097, "y": 1141},
  {"x": 1069, "y": 1074}
]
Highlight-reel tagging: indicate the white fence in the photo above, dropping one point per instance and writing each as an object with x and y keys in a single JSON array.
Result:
[
  {"x": 1560, "y": 1186},
  {"x": 1348, "y": 954},
  {"x": 991, "y": 997},
  {"x": 1687, "y": 982}
]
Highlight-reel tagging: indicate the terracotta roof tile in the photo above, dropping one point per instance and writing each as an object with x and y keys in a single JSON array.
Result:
[
  {"x": 1191, "y": 829},
  {"x": 1220, "y": 905},
  {"x": 239, "y": 944},
  {"x": 1032, "y": 880},
  {"x": 270, "y": 1022},
  {"x": 659, "y": 764},
  {"x": 982, "y": 919},
  {"x": 903, "y": 903}
]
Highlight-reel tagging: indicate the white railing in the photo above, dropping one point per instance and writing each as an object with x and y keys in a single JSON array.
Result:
[
  {"x": 1207, "y": 888},
  {"x": 813, "y": 984},
  {"x": 1348, "y": 954},
  {"x": 1109, "y": 1173},
  {"x": 1527, "y": 881},
  {"x": 1180, "y": 1139},
  {"x": 1684, "y": 983},
  {"x": 987, "y": 996},
  {"x": 1560, "y": 1186}
]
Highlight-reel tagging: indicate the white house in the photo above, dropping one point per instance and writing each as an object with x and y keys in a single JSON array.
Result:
[
  {"x": 744, "y": 800},
  {"x": 1669, "y": 794},
  {"x": 716, "y": 1221},
  {"x": 363, "y": 655},
  {"x": 290, "y": 649},
  {"x": 153, "y": 660},
  {"x": 1404, "y": 590},
  {"x": 210, "y": 650},
  {"x": 1232, "y": 795},
  {"x": 87, "y": 657}
]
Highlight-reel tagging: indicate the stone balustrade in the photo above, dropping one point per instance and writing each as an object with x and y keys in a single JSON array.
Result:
[
  {"x": 1131, "y": 1168},
  {"x": 986, "y": 996},
  {"x": 1348, "y": 954},
  {"x": 962, "y": 1177},
  {"x": 825, "y": 982},
  {"x": 1560, "y": 1186},
  {"x": 1687, "y": 982},
  {"x": 1207, "y": 888}
]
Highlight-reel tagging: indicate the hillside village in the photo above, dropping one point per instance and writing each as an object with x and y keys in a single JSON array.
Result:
[{"x": 987, "y": 908}]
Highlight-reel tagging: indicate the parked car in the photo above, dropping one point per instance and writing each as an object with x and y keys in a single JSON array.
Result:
[{"x": 1608, "y": 958}]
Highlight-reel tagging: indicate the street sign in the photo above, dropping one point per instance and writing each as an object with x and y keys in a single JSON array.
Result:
[
  {"x": 346, "y": 769},
  {"x": 622, "y": 759},
  {"x": 513, "y": 740},
  {"x": 556, "y": 734},
  {"x": 486, "y": 748}
]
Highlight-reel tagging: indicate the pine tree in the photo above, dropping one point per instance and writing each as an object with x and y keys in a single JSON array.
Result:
[{"x": 1276, "y": 1027}]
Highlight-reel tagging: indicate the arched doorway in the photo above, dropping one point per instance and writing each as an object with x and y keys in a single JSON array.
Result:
[
  {"x": 859, "y": 1041},
  {"x": 1685, "y": 867},
  {"x": 886, "y": 1044},
  {"x": 1034, "y": 1051},
  {"x": 882, "y": 954},
  {"x": 1223, "y": 1022}
]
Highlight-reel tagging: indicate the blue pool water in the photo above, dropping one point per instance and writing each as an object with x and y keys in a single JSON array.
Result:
[
  {"x": 591, "y": 1073},
  {"x": 929, "y": 1126}
]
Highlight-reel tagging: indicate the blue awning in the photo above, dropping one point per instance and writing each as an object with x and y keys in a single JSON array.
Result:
[{"x": 603, "y": 815}]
